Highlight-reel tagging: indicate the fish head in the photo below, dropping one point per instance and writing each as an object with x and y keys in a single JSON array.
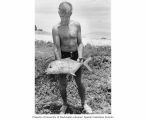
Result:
[{"x": 50, "y": 69}]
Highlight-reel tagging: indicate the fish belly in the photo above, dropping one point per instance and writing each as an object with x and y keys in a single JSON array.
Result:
[{"x": 65, "y": 66}]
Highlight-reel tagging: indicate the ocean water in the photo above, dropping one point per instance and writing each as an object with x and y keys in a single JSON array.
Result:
[{"x": 98, "y": 41}]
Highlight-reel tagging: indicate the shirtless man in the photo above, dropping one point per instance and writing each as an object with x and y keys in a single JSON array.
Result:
[{"x": 68, "y": 43}]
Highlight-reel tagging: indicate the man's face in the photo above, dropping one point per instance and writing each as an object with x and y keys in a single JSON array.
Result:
[
  {"x": 65, "y": 11},
  {"x": 64, "y": 15}
]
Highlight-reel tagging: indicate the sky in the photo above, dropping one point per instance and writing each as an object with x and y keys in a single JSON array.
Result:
[{"x": 93, "y": 15}]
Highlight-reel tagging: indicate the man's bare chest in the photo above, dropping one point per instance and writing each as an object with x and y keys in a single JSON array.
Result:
[{"x": 66, "y": 32}]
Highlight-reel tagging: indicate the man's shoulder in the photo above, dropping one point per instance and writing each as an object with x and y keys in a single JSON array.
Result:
[
  {"x": 55, "y": 28},
  {"x": 75, "y": 23}
]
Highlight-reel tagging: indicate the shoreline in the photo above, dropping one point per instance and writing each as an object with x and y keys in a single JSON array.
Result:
[{"x": 92, "y": 42}]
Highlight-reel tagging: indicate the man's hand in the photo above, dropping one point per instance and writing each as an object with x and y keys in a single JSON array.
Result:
[{"x": 80, "y": 59}]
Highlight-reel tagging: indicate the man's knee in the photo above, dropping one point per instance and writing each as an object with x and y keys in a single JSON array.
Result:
[
  {"x": 62, "y": 81},
  {"x": 79, "y": 83}
]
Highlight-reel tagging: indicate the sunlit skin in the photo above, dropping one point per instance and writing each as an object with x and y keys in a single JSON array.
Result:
[{"x": 67, "y": 36}]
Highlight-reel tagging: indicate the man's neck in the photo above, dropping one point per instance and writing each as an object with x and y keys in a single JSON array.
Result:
[{"x": 65, "y": 22}]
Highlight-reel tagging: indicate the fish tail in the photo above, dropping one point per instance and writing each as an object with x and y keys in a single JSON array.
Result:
[{"x": 86, "y": 64}]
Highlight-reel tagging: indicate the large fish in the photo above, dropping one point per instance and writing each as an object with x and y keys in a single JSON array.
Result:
[{"x": 66, "y": 66}]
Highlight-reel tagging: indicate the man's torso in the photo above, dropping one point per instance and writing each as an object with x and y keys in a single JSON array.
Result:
[{"x": 68, "y": 37}]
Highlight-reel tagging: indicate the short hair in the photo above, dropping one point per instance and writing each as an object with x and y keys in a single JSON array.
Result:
[{"x": 65, "y": 8}]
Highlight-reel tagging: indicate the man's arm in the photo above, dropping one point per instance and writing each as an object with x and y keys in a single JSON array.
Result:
[
  {"x": 56, "y": 41},
  {"x": 80, "y": 44}
]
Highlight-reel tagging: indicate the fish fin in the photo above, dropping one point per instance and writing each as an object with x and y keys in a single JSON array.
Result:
[
  {"x": 86, "y": 64},
  {"x": 73, "y": 74},
  {"x": 87, "y": 60},
  {"x": 67, "y": 58}
]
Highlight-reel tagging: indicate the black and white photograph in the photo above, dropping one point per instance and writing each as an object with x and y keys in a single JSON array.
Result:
[{"x": 72, "y": 57}]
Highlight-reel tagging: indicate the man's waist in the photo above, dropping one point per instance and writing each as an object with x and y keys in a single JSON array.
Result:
[
  {"x": 69, "y": 48},
  {"x": 71, "y": 52}
]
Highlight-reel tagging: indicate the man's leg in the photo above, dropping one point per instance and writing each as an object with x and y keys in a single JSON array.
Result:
[
  {"x": 62, "y": 87},
  {"x": 80, "y": 87},
  {"x": 81, "y": 90}
]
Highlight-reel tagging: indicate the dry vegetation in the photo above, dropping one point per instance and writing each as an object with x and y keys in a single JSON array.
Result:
[{"x": 97, "y": 84}]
